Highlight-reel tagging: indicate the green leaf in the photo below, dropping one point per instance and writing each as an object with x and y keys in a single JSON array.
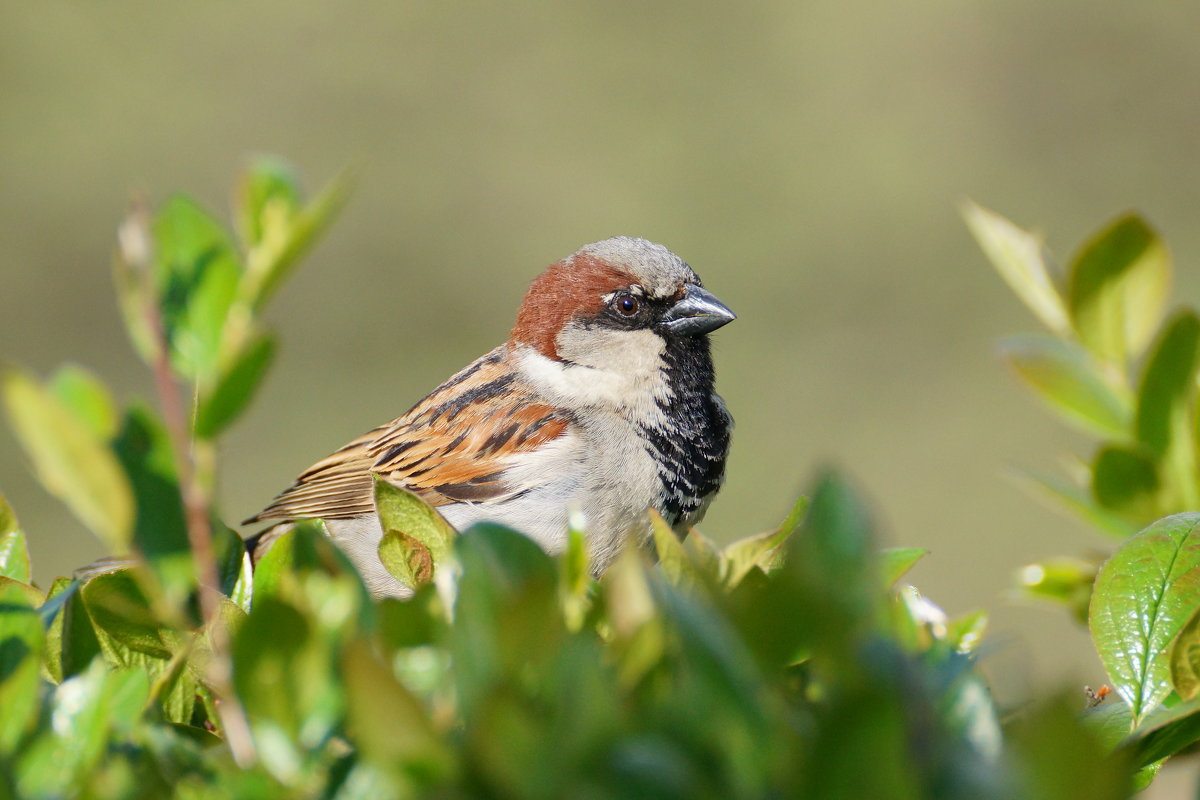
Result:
[
  {"x": 1061, "y": 580},
  {"x": 198, "y": 273},
  {"x": 14, "y": 551},
  {"x": 1118, "y": 286},
  {"x": 265, "y": 183},
  {"x": 387, "y": 723},
  {"x": 895, "y": 562},
  {"x": 1142, "y": 597},
  {"x": 672, "y": 559},
  {"x": 71, "y": 461},
  {"x": 1185, "y": 659},
  {"x": 1070, "y": 381},
  {"x": 1019, "y": 257},
  {"x": 1166, "y": 408},
  {"x": 416, "y": 537},
  {"x": 1063, "y": 758},
  {"x": 284, "y": 237},
  {"x": 1164, "y": 733},
  {"x": 71, "y": 639},
  {"x": 234, "y": 388},
  {"x": 160, "y": 527},
  {"x": 1068, "y": 497},
  {"x": 762, "y": 551},
  {"x": 1126, "y": 481},
  {"x": 87, "y": 398},
  {"x": 124, "y": 618},
  {"x": 21, "y": 642}
]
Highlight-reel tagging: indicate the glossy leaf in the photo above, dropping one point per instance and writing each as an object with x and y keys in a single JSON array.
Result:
[
  {"x": 1185, "y": 659},
  {"x": 71, "y": 461},
  {"x": 1019, "y": 257},
  {"x": 234, "y": 388},
  {"x": 1166, "y": 408},
  {"x": 1068, "y": 380},
  {"x": 1142, "y": 597},
  {"x": 1117, "y": 289},
  {"x": 14, "y": 552}
]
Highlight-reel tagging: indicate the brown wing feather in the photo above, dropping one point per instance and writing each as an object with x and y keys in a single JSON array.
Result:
[{"x": 453, "y": 446}]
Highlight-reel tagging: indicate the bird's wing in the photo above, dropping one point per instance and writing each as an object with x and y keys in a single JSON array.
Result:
[{"x": 453, "y": 446}]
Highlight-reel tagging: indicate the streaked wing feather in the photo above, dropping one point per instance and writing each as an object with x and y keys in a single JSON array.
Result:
[{"x": 453, "y": 446}]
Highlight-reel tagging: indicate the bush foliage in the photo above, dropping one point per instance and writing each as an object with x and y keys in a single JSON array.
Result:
[{"x": 794, "y": 662}]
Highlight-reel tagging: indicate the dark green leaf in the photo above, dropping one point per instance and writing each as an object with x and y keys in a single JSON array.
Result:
[
  {"x": 1062, "y": 758},
  {"x": 160, "y": 529},
  {"x": 21, "y": 643},
  {"x": 1126, "y": 481},
  {"x": 1164, "y": 733},
  {"x": 1019, "y": 257},
  {"x": 124, "y": 618},
  {"x": 1070, "y": 381},
  {"x": 197, "y": 276},
  {"x": 1118, "y": 286},
  {"x": 71, "y": 461},
  {"x": 1142, "y": 597},
  {"x": 14, "y": 552},
  {"x": 1166, "y": 404},
  {"x": 234, "y": 388}
]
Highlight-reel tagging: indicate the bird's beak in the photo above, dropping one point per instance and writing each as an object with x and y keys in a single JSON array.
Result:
[{"x": 696, "y": 313}]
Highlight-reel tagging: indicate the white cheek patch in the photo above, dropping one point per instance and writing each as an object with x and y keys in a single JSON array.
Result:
[{"x": 610, "y": 369}]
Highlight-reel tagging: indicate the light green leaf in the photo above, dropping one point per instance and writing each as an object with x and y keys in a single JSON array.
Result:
[
  {"x": 762, "y": 551},
  {"x": 1118, "y": 287},
  {"x": 267, "y": 191},
  {"x": 386, "y": 721},
  {"x": 1142, "y": 597},
  {"x": 14, "y": 551},
  {"x": 71, "y": 461},
  {"x": 401, "y": 511},
  {"x": 1185, "y": 659},
  {"x": 1060, "y": 580},
  {"x": 87, "y": 398},
  {"x": 1019, "y": 257},
  {"x": 894, "y": 562},
  {"x": 1126, "y": 481},
  {"x": 1166, "y": 407},
  {"x": 1069, "y": 381},
  {"x": 1068, "y": 497},
  {"x": 285, "y": 236},
  {"x": 406, "y": 559},
  {"x": 675, "y": 564},
  {"x": 234, "y": 388}
]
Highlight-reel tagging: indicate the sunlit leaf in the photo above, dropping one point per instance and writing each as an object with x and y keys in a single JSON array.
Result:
[
  {"x": 895, "y": 562},
  {"x": 235, "y": 388},
  {"x": 1118, "y": 286},
  {"x": 1069, "y": 380},
  {"x": 1060, "y": 580},
  {"x": 266, "y": 182},
  {"x": 21, "y": 642},
  {"x": 416, "y": 537},
  {"x": 1142, "y": 597},
  {"x": 14, "y": 552},
  {"x": 1185, "y": 659},
  {"x": 70, "y": 460},
  {"x": 762, "y": 551},
  {"x": 87, "y": 398},
  {"x": 675, "y": 564},
  {"x": 1019, "y": 257}
]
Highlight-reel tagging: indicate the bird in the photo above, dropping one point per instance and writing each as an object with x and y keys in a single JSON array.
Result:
[{"x": 601, "y": 402}]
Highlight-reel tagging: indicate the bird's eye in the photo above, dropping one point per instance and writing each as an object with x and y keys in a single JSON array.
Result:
[{"x": 627, "y": 305}]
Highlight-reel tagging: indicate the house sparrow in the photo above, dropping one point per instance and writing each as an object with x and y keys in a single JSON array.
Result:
[{"x": 601, "y": 400}]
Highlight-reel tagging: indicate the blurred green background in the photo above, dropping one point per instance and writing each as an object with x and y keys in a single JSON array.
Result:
[{"x": 807, "y": 158}]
